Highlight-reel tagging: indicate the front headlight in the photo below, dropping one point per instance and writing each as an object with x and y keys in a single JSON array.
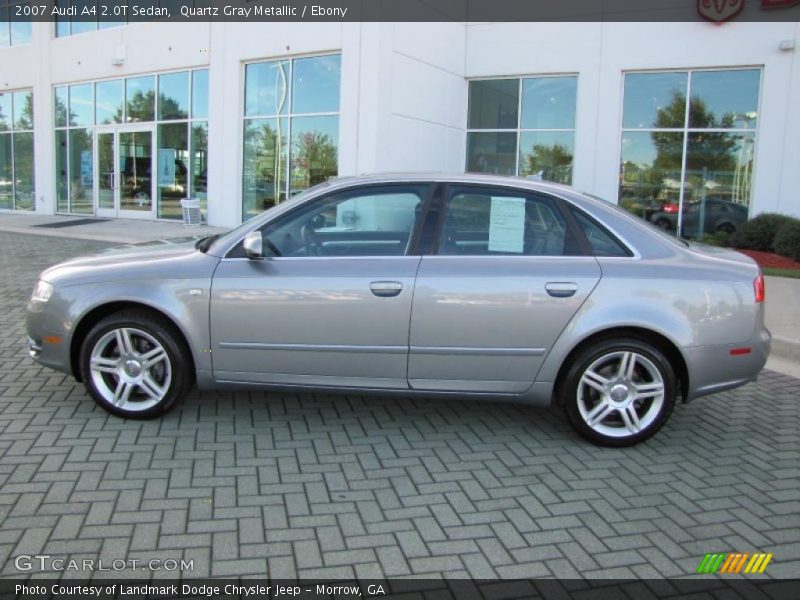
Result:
[{"x": 41, "y": 292}]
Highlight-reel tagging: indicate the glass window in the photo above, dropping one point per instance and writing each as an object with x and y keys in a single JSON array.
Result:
[
  {"x": 81, "y": 104},
  {"x": 5, "y": 32},
  {"x": 6, "y": 115},
  {"x": 20, "y": 32},
  {"x": 14, "y": 30},
  {"x": 546, "y": 155},
  {"x": 540, "y": 141},
  {"x": 60, "y": 106},
  {"x": 491, "y": 152},
  {"x": 651, "y": 175},
  {"x": 549, "y": 103},
  {"x": 315, "y": 84},
  {"x": 16, "y": 150},
  {"x": 314, "y": 151},
  {"x": 23, "y": 170},
  {"x": 140, "y": 98},
  {"x": 173, "y": 96},
  {"x": 23, "y": 110},
  {"x": 481, "y": 222},
  {"x": 374, "y": 222},
  {"x": 173, "y": 169},
  {"x": 283, "y": 156},
  {"x": 200, "y": 94},
  {"x": 199, "y": 162},
  {"x": 266, "y": 88},
  {"x": 62, "y": 176},
  {"x": 724, "y": 99},
  {"x": 6, "y": 172},
  {"x": 697, "y": 180},
  {"x": 601, "y": 241},
  {"x": 108, "y": 101},
  {"x": 265, "y": 164},
  {"x": 654, "y": 100},
  {"x": 493, "y": 104},
  {"x": 81, "y": 171}
]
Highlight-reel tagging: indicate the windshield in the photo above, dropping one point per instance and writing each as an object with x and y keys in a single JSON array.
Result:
[{"x": 663, "y": 234}]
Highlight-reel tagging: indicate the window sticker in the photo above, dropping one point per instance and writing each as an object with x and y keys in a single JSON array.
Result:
[{"x": 507, "y": 225}]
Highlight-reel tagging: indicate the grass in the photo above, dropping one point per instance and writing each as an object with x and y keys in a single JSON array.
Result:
[{"x": 792, "y": 273}]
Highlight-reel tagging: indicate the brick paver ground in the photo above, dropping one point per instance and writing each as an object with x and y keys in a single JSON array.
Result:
[{"x": 317, "y": 486}]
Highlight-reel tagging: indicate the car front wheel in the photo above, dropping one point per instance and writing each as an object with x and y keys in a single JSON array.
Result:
[
  {"x": 135, "y": 364},
  {"x": 619, "y": 392}
]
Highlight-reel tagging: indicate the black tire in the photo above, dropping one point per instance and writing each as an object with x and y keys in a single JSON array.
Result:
[
  {"x": 663, "y": 224},
  {"x": 571, "y": 403},
  {"x": 180, "y": 365},
  {"x": 726, "y": 228}
]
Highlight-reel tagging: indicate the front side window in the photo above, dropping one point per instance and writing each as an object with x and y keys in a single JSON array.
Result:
[
  {"x": 522, "y": 127},
  {"x": 16, "y": 150},
  {"x": 291, "y": 129},
  {"x": 366, "y": 222},
  {"x": 688, "y": 145},
  {"x": 485, "y": 222}
]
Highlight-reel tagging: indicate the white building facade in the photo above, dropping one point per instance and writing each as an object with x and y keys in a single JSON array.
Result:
[{"x": 660, "y": 117}]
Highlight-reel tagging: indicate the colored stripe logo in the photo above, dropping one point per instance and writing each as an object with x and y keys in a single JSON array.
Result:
[{"x": 734, "y": 562}]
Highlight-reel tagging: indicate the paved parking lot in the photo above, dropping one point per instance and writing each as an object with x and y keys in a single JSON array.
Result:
[{"x": 315, "y": 486}]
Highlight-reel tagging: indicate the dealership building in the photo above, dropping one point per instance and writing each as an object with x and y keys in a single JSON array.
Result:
[{"x": 697, "y": 123}]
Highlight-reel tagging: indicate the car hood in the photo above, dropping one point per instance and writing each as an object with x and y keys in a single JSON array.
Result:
[{"x": 162, "y": 259}]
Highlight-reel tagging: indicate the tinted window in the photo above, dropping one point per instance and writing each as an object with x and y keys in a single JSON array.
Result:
[
  {"x": 501, "y": 222},
  {"x": 366, "y": 222},
  {"x": 601, "y": 241}
]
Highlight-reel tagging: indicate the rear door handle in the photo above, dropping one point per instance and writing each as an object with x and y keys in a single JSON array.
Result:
[
  {"x": 386, "y": 289},
  {"x": 561, "y": 289}
]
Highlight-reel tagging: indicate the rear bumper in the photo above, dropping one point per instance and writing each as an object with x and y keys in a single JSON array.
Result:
[{"x": 714, "y": 369}]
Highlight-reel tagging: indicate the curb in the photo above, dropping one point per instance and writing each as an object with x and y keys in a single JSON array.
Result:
[{"x": 786, "y": 348}]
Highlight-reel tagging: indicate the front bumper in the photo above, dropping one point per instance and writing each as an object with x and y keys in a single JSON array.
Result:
[
  {"x": 714, "y": 369},
  {"x": 48, "y": 342}
]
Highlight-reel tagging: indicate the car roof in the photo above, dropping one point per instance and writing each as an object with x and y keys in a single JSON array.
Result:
[{"x": 482, "y": 178}]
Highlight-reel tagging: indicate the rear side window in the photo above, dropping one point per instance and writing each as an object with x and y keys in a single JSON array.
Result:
[
  {"x": 488, "y": 221},
  {"x": 601, "y": 241}
]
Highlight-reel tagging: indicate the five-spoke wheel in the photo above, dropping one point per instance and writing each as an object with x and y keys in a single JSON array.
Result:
[
  {"x": 619, "y": 392},
  {"x": 134, "y": 364}
]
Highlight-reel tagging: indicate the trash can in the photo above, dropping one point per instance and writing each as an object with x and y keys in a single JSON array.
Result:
[{"x": 191, "y": 212}]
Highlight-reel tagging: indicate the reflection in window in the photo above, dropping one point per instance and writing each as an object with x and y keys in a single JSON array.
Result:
[
  {"x": 16, "y": 150},
  {"x": 78, "y": 107},
  {"x": 173, "y": 169},
  {"x": 14, "y": 30},
  {"x": 522, "y": 127},
  {"x": 81, "y": 173},
  {"x": 266, "y": 164},
  {"x": 697, "y": 180},
  {"x": 173, "y": 96},
  {"x": 291, "y": 128},
  {"x": 108, "y": 101},
  {"x": 140, "y": 96}
]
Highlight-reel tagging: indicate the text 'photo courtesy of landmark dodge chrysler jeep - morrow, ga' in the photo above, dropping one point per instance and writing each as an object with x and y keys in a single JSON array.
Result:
[{"x": 419, "y": 285}]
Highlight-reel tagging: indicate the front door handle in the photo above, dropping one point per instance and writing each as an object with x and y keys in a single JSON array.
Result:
[
  {"x": 386, "y": 289},
  {"x": 561, "y": 289}
]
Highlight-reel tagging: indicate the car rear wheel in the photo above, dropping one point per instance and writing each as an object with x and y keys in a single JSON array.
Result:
[
  {"x": 134, "y": 364},
  {"x": 619, "y": 392}
]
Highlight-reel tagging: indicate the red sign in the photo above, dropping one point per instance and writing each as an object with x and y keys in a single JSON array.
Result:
[
  {"x": 723, "y": 10},
  {"x": 779, "y": 3}
]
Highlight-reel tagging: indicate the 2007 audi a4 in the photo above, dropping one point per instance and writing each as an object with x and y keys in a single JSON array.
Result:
[{"x": 419, "y": 285}]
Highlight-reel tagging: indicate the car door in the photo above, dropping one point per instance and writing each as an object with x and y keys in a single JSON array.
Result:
[
  {"x": 505, "y": 277},
  {"x": 332, "y": 307}
]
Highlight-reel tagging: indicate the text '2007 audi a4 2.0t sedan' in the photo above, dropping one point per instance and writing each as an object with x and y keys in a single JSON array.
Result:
[{"x": 420, "y": 285}]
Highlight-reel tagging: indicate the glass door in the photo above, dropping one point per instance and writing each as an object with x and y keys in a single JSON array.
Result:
[{"x": 124, "y": 164}]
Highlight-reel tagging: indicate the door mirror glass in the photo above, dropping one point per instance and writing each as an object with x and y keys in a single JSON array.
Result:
[{"x": 253, "y": 245}]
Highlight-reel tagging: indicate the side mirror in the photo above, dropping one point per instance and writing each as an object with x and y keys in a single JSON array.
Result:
[{"x": 253, "y": 245}]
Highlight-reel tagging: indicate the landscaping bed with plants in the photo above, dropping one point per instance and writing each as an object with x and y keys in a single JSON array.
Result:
[{"x": 772, "y": 240}]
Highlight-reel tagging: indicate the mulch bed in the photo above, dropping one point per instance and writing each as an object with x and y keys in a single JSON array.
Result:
[{"x": 772, "y": 261}]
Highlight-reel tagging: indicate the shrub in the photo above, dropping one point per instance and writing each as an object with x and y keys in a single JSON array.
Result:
[
  {"x": 718, "y": 238},
  {"x": 759, "y": 233},
  {"x": 787, "y": 240}
]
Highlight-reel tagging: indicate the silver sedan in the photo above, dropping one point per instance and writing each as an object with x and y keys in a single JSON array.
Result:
[{"x": 419, "y": 285}]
